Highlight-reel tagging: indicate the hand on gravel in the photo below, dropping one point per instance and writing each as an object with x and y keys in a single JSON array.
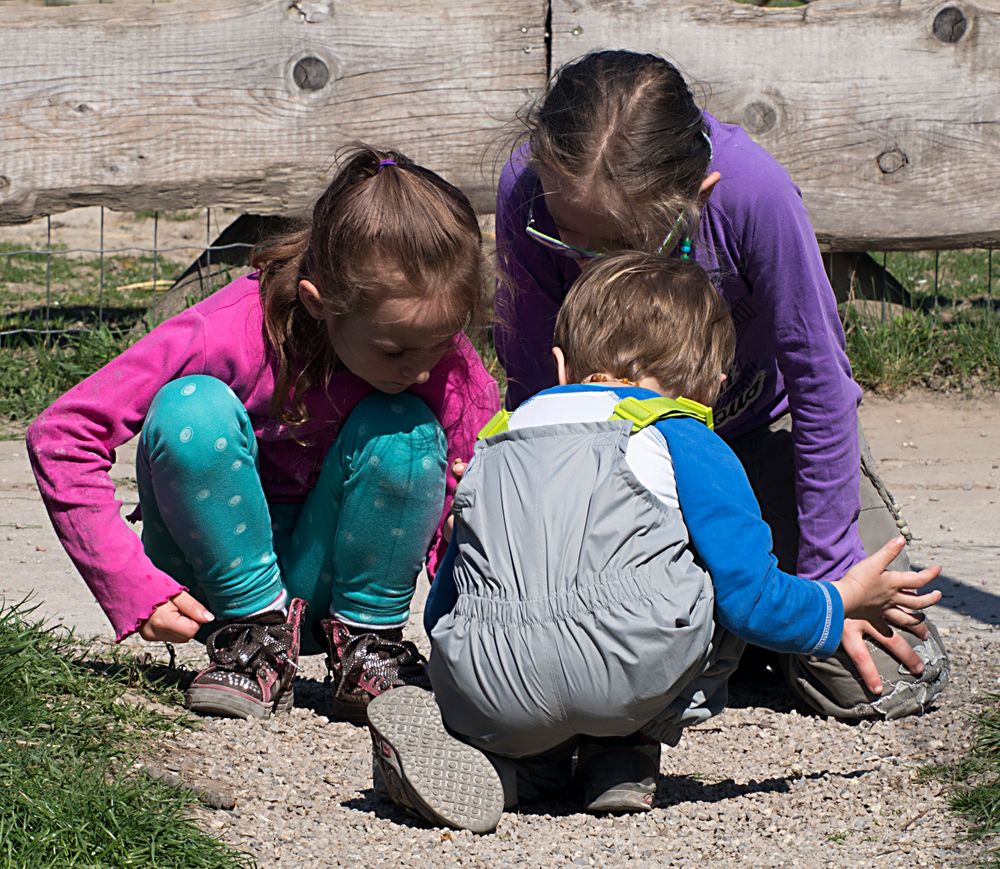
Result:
[
  {"x": 874, "y": 600},
  {"x": 176, "y": 620}
]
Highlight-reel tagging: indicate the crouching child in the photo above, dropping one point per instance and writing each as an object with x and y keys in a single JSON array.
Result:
[{"x": 607, "y": 565}]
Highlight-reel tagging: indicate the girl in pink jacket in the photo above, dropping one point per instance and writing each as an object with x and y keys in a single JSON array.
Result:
[{"x": 294, "y": 434}]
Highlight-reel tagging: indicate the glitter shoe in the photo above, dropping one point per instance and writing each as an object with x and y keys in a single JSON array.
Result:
[
  {"x": 365, "y": 662},
  {"x": 252, "y": 666}
]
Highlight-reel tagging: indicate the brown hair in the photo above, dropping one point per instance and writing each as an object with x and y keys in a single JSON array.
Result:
[
  {"x": 635, "y": 315},
  {"x": 385, "y": 227},
  {"x": 624, "y": 127}
]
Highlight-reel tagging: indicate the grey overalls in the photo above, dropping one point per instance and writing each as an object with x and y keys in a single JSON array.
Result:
[{"x": 582, "y": 608}]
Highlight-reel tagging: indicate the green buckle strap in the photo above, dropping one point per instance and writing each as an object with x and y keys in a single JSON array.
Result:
[
  {"x": 645, "y": 411},
  {"x": 499, "y": 423}
]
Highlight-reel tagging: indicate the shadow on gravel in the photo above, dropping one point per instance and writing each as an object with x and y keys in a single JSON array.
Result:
[
  {"x": 759, "y": 687},
  {"x": 315, "y": 695},
  {"x": 968, "y": 600},
  {"x": 157, "y": 674},
  {"x": 672, "y": 790}
]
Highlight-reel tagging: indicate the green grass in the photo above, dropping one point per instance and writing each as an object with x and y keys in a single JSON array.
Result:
[
  {"x": 75, "y": 295},
  {"x": 919, "y": 349},
  {"x": 951, "y": 342},
  {"x": 69, "y": 737},
  {"x": 34, "y": 375},
  {"x": 961, "y": 274},
  {"x": 974, "y": 781}
]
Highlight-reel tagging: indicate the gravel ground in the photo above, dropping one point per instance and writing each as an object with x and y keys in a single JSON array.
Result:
[{"x": 761, "y": 785}]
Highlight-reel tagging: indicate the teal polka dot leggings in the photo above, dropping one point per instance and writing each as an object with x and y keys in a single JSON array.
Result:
[{"x": 353, "y": 548}]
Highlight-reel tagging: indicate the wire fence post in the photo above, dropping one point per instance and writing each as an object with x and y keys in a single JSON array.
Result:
[
  {"x": 156, "y": 247},
  {"x": 100, "y": 279},
  {"x": 48, "y": 274}
]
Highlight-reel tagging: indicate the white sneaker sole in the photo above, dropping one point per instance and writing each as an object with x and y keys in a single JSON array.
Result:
[{"x": 446, "y": 781}]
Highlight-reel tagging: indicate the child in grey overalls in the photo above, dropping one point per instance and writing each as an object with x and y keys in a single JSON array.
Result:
[{"x": 607, "y": 564}]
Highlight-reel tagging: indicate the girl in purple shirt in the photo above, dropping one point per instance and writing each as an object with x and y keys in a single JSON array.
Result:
[
  {"x": 620, "y": 156},
  {"x": 294, "y": 432}
]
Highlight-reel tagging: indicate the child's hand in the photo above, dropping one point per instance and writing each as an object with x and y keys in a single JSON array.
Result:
[
  {"x": 458, "y": 470},
  {"x": 875, "y": 594},
  {"x": 176, "y": 620},
  {"x": 875, "y": 597}
]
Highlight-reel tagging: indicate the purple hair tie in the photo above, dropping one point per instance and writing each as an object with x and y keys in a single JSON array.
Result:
[{"x": 383, "y": 163}]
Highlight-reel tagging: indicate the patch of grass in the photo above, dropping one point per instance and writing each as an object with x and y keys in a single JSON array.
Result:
[
  {"x": 974, "y": 781},
  {"x": 68, "y": 742},
  {"x": 35, "y": 375},
  {"x": 961, "y": 274},
  {"x": 918, "y": 349},
  {"x": 180, "y": 215}
]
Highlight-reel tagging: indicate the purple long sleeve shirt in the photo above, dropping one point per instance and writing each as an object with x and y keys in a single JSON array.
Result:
[
  {"x": 72, "y": 443},
  {"x": 757, "y": 244}
]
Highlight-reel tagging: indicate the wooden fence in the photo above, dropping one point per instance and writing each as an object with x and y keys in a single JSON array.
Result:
[{"x": 886, "y": 112}]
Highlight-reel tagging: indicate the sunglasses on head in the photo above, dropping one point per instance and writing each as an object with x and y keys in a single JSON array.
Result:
[{"x": 574, "y": 252}]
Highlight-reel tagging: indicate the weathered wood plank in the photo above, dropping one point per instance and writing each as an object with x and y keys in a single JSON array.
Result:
[
  {"x": 891, "y": 130},
  {"x": 190, "y": 103}
]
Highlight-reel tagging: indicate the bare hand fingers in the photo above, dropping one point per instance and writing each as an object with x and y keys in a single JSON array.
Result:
[
  {"x": 908, "y": 579},
  {"x": 882, "y": 558},
  {"x": 168, "y": 626},
  {"x": 902, "y": 651},
  {"x": 903, "y": 618},
  {"x": 194, "y": 610},
  {"x": 857, "y": 651},
  {"x": 911, "y": 601}
]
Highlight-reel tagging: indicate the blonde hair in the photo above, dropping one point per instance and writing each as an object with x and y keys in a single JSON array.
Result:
[
  {"x": 385, "y": 227},
  {"x": 634, "y": 315}
]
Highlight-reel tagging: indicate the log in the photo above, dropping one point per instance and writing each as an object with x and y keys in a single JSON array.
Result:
[
  {"x": 885, "y": 112},
  {"x": 246, "y": 102}
]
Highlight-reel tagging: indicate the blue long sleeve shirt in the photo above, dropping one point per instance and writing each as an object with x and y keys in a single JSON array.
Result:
[{"x": 753, "y": 598}]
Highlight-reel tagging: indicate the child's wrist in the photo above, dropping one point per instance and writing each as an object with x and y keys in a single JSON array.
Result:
[{"x": 850, "y": 595}]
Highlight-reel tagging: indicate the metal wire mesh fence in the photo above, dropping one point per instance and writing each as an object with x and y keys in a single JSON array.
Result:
[
  {"x": 49, "y": 287},
  {"x": 59, "y": 277}
]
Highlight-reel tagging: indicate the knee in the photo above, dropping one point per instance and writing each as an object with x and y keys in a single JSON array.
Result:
[
  {"x": 396, "y": 439},
  {"x": 196, "y": 414},
  {"x": 379, "y": 414}
]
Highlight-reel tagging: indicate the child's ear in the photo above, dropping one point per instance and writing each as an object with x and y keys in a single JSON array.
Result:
[
  {"x": 706, "y": 188},
  {"x": 311, "y": 300},
  {"x": 561, "y": 369}
]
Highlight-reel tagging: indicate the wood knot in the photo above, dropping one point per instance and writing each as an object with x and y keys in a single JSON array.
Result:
[
  {"x": 950, "y": 24},
  {"x": 892, "y": 160},
  {"x": 759, "y": 117},
  {"x": 4, "y": 182},
  {"x": 311, "y": 74}
]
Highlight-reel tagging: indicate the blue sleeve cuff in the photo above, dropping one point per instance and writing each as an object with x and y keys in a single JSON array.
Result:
[{"x": 833, "y": 627}]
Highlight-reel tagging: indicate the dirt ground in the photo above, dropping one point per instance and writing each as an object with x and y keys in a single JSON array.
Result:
[{"x": 760, "y": 785}]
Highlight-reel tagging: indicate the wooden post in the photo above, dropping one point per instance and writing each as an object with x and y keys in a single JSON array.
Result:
[{"x": 246, "y": 102}]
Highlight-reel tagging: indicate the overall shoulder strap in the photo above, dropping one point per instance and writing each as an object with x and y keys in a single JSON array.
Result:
[
  {"x": 500, "y": 423},
  {"x": 642, "y": 412}
]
